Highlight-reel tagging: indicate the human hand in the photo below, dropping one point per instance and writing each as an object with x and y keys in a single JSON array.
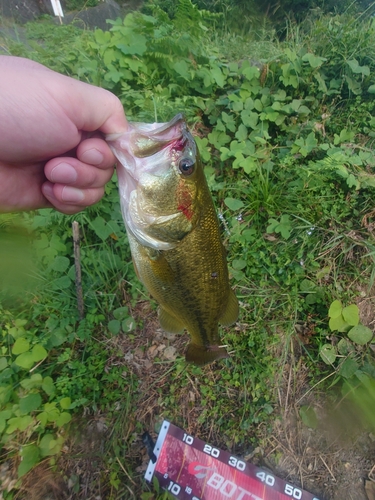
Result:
[{"x": 52, "y": 151}]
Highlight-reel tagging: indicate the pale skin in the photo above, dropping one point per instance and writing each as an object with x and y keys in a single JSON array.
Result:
[{"x": 52, "y": 147}]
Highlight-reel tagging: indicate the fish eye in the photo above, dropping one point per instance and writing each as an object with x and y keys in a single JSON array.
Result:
[{"x": 186, "y": 166}]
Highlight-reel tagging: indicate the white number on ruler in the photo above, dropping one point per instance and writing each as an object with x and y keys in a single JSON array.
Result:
[
  {"x": 214, "y": 452},
  {"x": 237, "y": 464},
  {"x": 293, "y": 492},
  {"x": 266, "y": 478},
  {"x": 174, "y": 488},
  {"x": 187, "y": 439}
]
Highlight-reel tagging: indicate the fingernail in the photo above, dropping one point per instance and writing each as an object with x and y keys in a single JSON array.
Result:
[
  {"x": 92, "y": 157},
  {"x": 72, "y": 195},
  {"x": 63, "y": 173}
]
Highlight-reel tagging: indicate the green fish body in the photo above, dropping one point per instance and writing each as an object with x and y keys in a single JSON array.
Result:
[{"x": 174, "y": 233}]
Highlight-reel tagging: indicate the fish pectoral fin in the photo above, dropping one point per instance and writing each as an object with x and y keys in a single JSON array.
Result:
[
  {"x": 161, "y": 270},
  {"x": 169, "y": 323},
  {"x": 201, "y": 355},
  {"x": 231, "y": 311}
]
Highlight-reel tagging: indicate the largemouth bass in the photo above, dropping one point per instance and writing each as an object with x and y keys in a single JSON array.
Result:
[{"x": 174, "y": 233}]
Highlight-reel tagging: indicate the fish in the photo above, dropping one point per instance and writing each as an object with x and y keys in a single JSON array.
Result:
[{"x": 174, "y": 233}]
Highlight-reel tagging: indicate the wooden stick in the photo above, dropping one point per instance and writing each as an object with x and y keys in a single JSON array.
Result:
[{"x": 77, "y": 264}]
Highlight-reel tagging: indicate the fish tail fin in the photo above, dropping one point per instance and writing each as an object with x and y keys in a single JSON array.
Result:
[{"x": 201, "y": 355}]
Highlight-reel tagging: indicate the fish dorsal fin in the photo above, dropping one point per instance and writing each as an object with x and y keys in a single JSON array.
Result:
[
  {"x": 231, "y": 311},
  {"x": 200, "y": 355},
  {"x": 169, "y": 323}
]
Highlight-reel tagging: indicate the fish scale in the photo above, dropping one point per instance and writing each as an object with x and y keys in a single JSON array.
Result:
[{"x": 174, "y": 233}]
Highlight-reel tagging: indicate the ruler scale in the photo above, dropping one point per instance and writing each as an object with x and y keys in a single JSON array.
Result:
[{"x": 191, "y": 469}]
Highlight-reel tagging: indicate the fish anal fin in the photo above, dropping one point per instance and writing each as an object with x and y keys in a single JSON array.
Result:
[
  {"x": 231, "y": 311},
  {"x": 169, "y": 323},
  {"x": 201, "y": 355}
]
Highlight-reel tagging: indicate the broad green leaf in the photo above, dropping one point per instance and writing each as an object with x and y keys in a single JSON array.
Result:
[
  {"x": 34, "y": 381},
  {"x": 30, "y": 403},
  {"x": 360, "y": 334},
  {"x": 356, "y": 68},
  {"x": 60, "y": 264},
  {"x": 233, "y": 203},
  {"x": 338, "y": 324},
  {"x": 335, "y": 309},
  {"x": 63, "y": 419},
  {"x": 218, "y": 75},
  {"x": 38, "y": 352},
  {"x": 101, "y": 228},
  {"x": 351, "y": 314},
  {"x": 18, "y": 424},
  {"x": 61, "y": 283},
  {"x": 49, "y": 445},
  {"x": 21, "y": 345},
  {"x": 48, "y": 386},
  {"x": 3, "y": 363},
  {"x": 328, "y": 354},
  {"x": 308, "y": 416},
  {"x": 182, "y": 68},
  {"x": 348, "y": 368},
  {"x": 241, "y": 134},
  {"x": 30, "y": 456},
  {"x": 313, "y": 60},
  {"x": 25, "y": 360},
  {"x": 121, "y": 313},
  {"x": 128, "y": 325},
  {"x": 65, "y": 403},
  {"x": 114, "y": 326},
  {"x": 239, "y": 264},
  {"x": 371, "y": 89}
]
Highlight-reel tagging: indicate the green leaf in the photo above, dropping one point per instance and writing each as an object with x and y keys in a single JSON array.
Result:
[
  {"x": 308, "y": 416},
  {"x": 21, "y": 345},
  {"x": 313, "y": 60},
  {"x": 114, "y": 326},
  {"x": 63, "y": 419},
  {"x": 371, "y": 89},
  {"x": 34, "y": 381},
  {"x": 360, "y": 334},
  {"x": 61, "y": 283},
  {"x": 25, "y": 360},
  {"x": 65, "y": 403},
  {"x": 38, "y": 353},
  {"x": 121, "y": 313},
  {"x": 338, "y": 324},
  {"x": 239, "y": 264},
  {"x": 328, "y": 354},
  {"x": 218, "y": 75},
  {"x": 128, "y": 325},
  {"x": 48, "y": 386},
  {"x": 101, "y": 228},
  {"x": 18, "y": 424},
  {"x": 49, "y": 445},
  {"x": 356, "y": 68},
  {"x": 233, "y": 203},
  {"x": 30, "y": 456},
  {"x": 348, "y": 368},
  {"x": 335, "y": 309},
  {"x": 30, "y": 403},
  {"x": 3, "y": 363},
  {"x": 351, "y": 314},
  {"x": 182, "y": 68},
  {"x": 60, "y": 264}
]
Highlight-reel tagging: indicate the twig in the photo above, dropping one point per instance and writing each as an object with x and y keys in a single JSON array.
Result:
[
  {"x": 77, "y": 264},
  {"x": 125, "y": 471},
  {"x": 329, "y": 470}
]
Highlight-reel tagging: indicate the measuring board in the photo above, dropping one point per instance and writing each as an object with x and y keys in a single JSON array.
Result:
[{"x": 191, "y": 469}]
